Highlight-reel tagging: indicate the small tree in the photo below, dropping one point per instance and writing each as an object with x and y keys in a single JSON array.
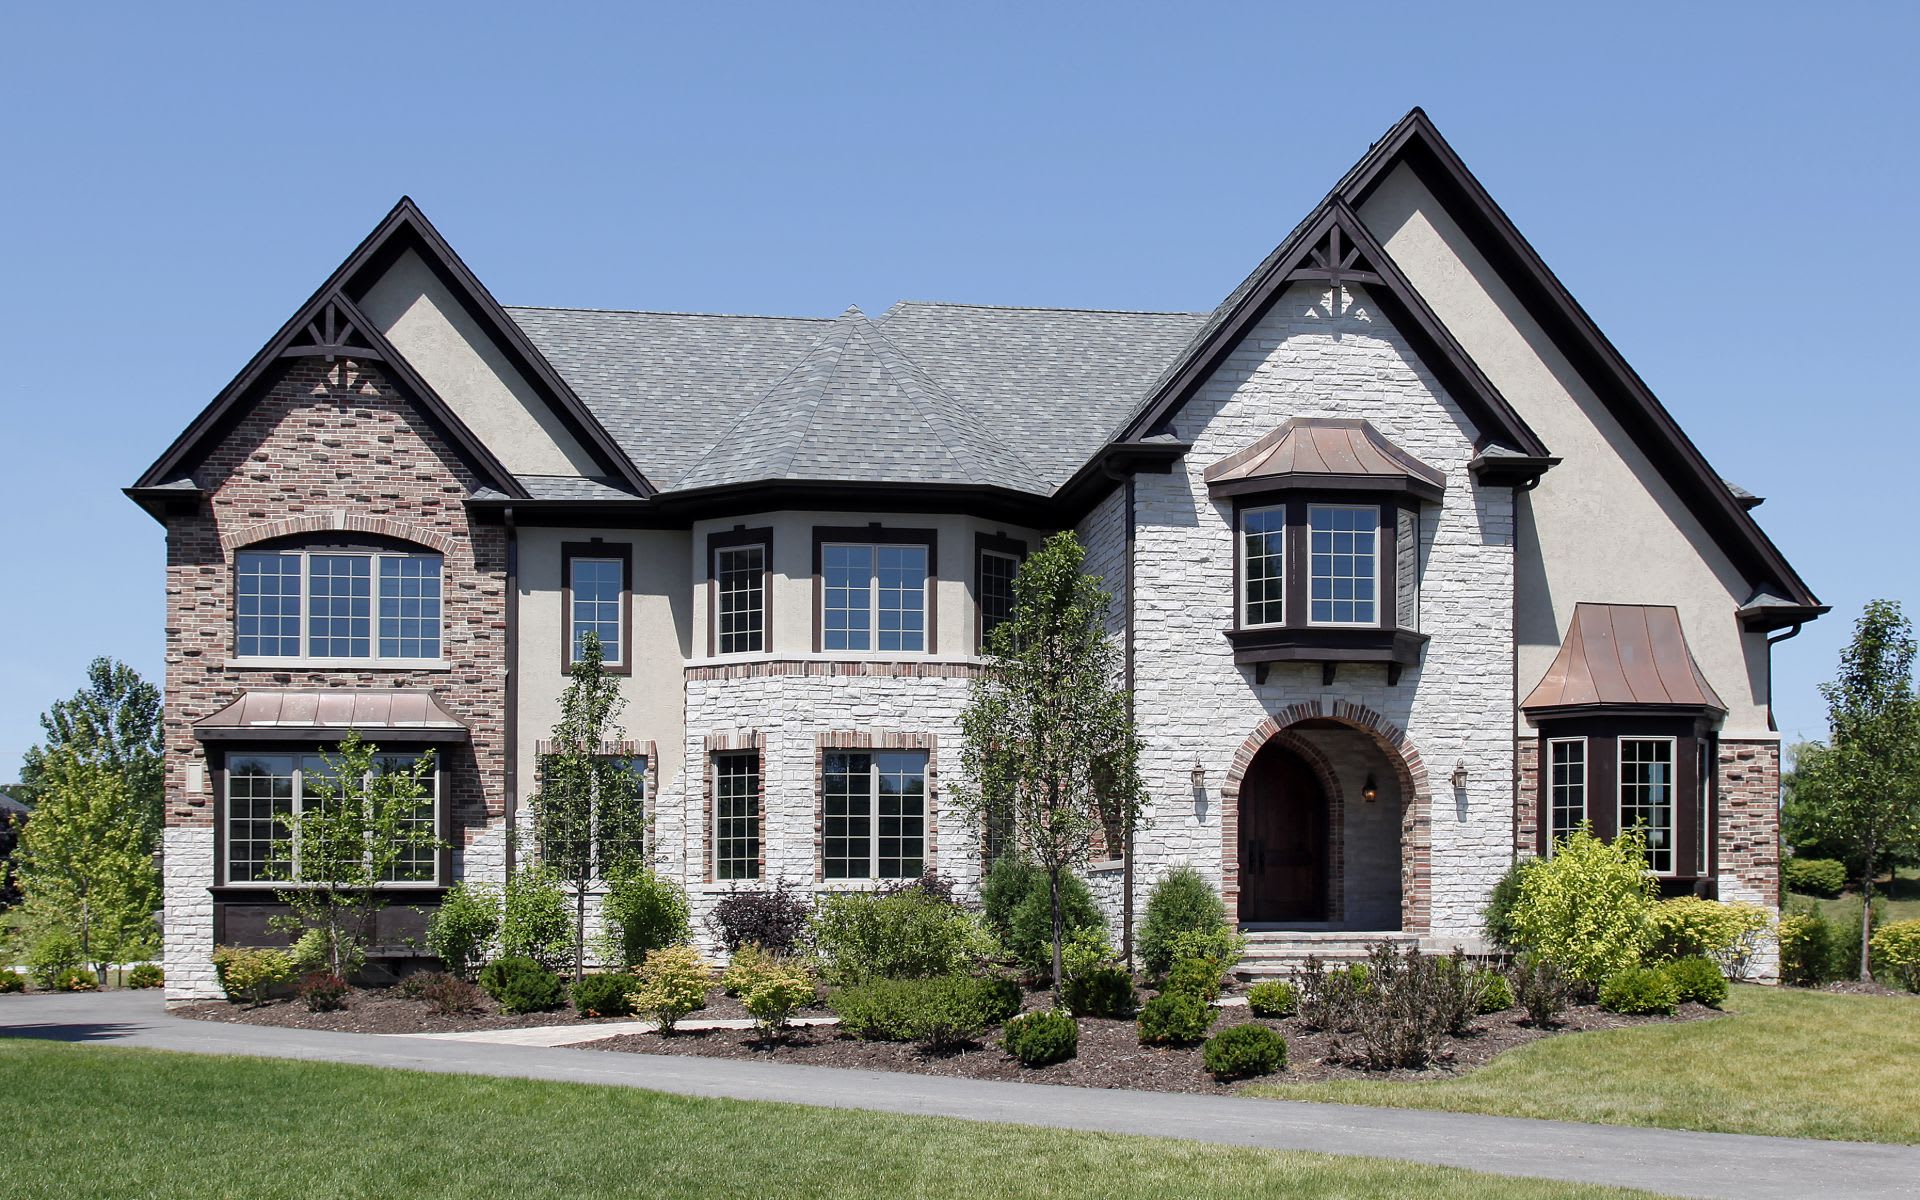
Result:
[
  {"x": 1048, "y": 747},
  {"x": 113, "y": 722},
  {"x": 589, "y": 816},
  {"x": 85, "y": 864},
  {"x": 358, "y": 829},
  {"x": 1862, "y": 792}
]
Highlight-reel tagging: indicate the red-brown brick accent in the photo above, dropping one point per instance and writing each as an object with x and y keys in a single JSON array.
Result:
[
  {"x": 1526, "y": 801},
  {"x": 1748, "y": 826},
  {"x": 725, "y": 743},
  {"x": 823, "y": 668},
  {"x": 854, "y": 739}
]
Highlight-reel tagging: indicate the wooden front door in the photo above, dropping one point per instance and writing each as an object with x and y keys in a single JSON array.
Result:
[{"x": 1283, "y": 840}]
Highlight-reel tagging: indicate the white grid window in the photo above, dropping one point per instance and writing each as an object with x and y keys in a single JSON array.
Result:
[
  {"x": 1263, "y": 535},
  {"x": 266, "y": 620},
  {"x": 1344, "y": 552},
  {"x": 996, "y": 590},
  {"x": 409, "y": 607},
  {"x": 1646, "y": 796},
  {"x": 736, "y": 816},
  {"x": 337, "y": 591},
  {"x": 874, "y": 598},
  {"x": 596, "y": 585},
  {"x": 262, "y": 788},
  {"x": 1566, "y": 789},
  {"x": 740, "y": 574},
  {"x": 340, "y": 606},
  {"x": 874, "y": 811}
]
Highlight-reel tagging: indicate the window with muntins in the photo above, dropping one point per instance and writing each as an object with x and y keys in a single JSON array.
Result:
[
  {"x": 1345, "y": 571},
  {"x": 736, "y": 815},
  {"x": 1567, "y": 788},
  {"x": 1646, "y": 797},
  {"x": 266, "y": 790},
  {"x": 331, "y": 605},
  {"x": 874, "y": 597},
  {"x": 874, "y": 814},
  {"x": 597, "y": 586},
  {"x": 739, "y": 606},
  {"x": 1263, "y": 536},
  {"x": 997, "y": 570}
]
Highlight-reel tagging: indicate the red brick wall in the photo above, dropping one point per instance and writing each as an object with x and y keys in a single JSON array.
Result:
[
  {"x": 1526, "y": 801},
  {"x": 334, "y": 446}
]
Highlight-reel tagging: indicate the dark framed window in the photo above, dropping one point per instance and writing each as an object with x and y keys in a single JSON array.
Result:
[
  {"x": 736, "y": 815},
  {"x": 874, "y": 590},
  {"x": 597, "y": 597},
  {"x": 873, "y": 814},
  {"x": 1566, "y": 788},
  {"x": 740, "y": 574},
  {"x": 1326, "y": 561},
  {"x": 1646, "y": 795},
  {"x": 997, "y": 561},
  {"x": 1653, "y": 772},
  {"x": 263, "y": 788},
  {"x": 338, "y": 604}
]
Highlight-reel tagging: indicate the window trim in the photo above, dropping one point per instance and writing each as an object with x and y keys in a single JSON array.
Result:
[
  {"x": 1673, "y": 795},
  {"x": 733, "y": 539},
  {"x": 1547, "y": 785},
  {"x": 873, "y": 754},
  {"x": 999, "y": 545},
  {"x": 1382, "y": 543},
  {"x": 1297, "y": 559},
  {"x": 1695, "y": 797},
  {"x": 714, "y": 757},
  {"x": 305, "y": 551},
  {"x": 602, "y": 551},
  {"x": 876, "y": 535}
]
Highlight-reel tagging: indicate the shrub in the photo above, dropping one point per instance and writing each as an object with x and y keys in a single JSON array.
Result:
[
  {"x": 1392, "y": 1011},
  {"x": 673, "y": 983},
  {"x": 1689, "y": 927},
  {"x": 522, "y": 985},
  {"x": 309, "y": 952},
  {"x": 1815, "y": 876},
  {"x": 535, "y": 920},
  {"x": 450, "y": 996},
  {"x": 322, "y": 991},
  {"x": 609, "y": 994},
  {"x": 1182, "y": 902},
  {"x": 413, "y": 986},
  {"x": 1806, "y": 949},
  {"x": 1030, "y": 935},
  {"x": 644, "y": 911},
  {"x": 1588, "y": 909},
  {"x": 907, "y": 934},
  {"x": 1639, "y": 991},
  {"x": 1004, "y": 886},
  {"x": 145, "y": 975},
  {"x": 1196, "y": 976},
  {"x": 1174, "y": 1019},
  {"x": 1496, "y": 994},
  {"x": 775, "y": 920},
  {"x": 929, "y": 884},
  {"x": 1329, "y": 996},
  {"x": 52, "y": 954},
  {"x": 937, "y": 1013},
  {"x": 11, "y": 982},
  {"x": 1542, "y": 990},
  {"x": 461, "y": 931},
  {"x": 1244, "y": 1051},
  {"x": 1274, "y": 999},
  {"x": 76, "y": 979},
  {"x": 1698, "y": 980},
  {"x": 1497, "y": 917},
  {"x": 1456, "y": 991},
  {"x": 772, "y": 989},
  {"x": 1096, "y": 985},
  {"x": 251, "y": 973},
  {"x": 1039, "y": 1039},
  {"x": 1896, "y": 953},
  {"x": 1000, "y": 997}
]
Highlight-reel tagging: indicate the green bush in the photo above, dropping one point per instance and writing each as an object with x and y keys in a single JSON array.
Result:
[
  {"x": 1030, "y": 926},
  {"x": 1274, "y": 999},
  {"x": 1639, "y": 991},
  {"x": 908, "y": 934},
  {"x": 536, "y": 921},
  {"x": 1000, "y": 998},
  {"x": 938, "y": 1013},
  {"x": 1100, "y": 992},
  {"x": 1243, "y": 1052},
  {"x": 673, "y": 983},
  {"x": 11, "y": 982},
  {"x": 1689, "y": 927},
  {"x": 1174, "y": 1019},
  {"x": 645, "y": 911},
  {"x": 1201, "y": 977},
  {"x": 1496, "y": 994},
  {"x": 1004, "y": 886},
  {"x": 1806, "y": 949},
  {"x": 1182, "y": 902},
  {"x": 251, "y": 973},
  {"x": 1698, "y": 980},
  {"x": 604, "y": 995},
  {"x": 522, "y": 985},
  {"x": 146, "y": 975},
  {"x": 1497, "y": 917},
  {"x": 1896, "y": 954},
  {"x": 309, "y": 952},
  {"x": 460, "y": 932},
  {"x": 52, "y": 954},
  {"x": 322, "y": 991},
  {"x": 1815, "y": 876},
  {"x": 1040, "y": 1039},
  {"x": 76, "y": 979},
  {"x": 1588, "y": 910},
  {"x": 772, "y": 989}
]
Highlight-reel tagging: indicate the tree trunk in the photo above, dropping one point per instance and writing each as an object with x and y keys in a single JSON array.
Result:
[
  {"x": 1866, "y": 916},
  {"x": 579, "y": 927},
  {"x": 1053, "y": 894}
]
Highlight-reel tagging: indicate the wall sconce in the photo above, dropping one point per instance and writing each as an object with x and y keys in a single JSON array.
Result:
[
  {"x": 1199, "y": 776},
  {"x": 1369, "y": 791},
  {"x": 1459, "y": 777}
]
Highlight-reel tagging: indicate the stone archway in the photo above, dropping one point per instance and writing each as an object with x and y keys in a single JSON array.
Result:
[{"x": 1403, "y": 758}]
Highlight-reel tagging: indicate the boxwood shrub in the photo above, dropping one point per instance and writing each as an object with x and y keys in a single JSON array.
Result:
[
  {"x": 146, "y": 975},
  {"x": 606, "y": 995},
  {"x": 1244, "y": 1051},
  {"x": 1039, "y": 1039},
  {"x": 1496, "y": 994},
  {"x": 937, "y": 1013},
  {"x": 1174, "y": 1019},
  {"x": 521, "y": 985},
  {"x": 1104, "y": 991},
  {"x": 12, "y": 981},
  {"x": 1182, "y": 902},
  {"x": 1639, "y": 992},
  {"x": 1815, "y": 876},
  {"x": 1697, "y": 979},
  {"x": 1273, "y": 999}
]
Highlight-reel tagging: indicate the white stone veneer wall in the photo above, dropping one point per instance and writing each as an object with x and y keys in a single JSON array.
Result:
[{"x": 187, "y": 932}]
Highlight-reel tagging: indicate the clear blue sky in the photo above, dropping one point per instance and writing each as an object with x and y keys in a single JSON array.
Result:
[{"x": 1730, "y": 191}]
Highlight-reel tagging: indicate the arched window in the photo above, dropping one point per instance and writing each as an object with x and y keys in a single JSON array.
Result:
[{"x": 331, "y": 602}]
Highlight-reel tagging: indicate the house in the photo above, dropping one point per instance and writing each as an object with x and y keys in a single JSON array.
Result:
[{"x": 1411, "y": 570}]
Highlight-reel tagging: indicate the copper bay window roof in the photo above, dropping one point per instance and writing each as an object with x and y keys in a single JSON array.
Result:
[
  {"x": 1324, "y": 452},
  {"x": 327, "y": 714},
  {"x": 1623, "y": 656}
]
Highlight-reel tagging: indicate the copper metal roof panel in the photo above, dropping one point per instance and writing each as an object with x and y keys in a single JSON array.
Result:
[
  {"x": 1324, "y": 452},
  {"x": 326, "y": 714},
  {"x": 1624, "y": 656}
]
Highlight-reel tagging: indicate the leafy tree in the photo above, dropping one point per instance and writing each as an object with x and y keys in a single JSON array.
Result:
[
  {"x": 1049, "y": 751},
  {"x": 85, "y": 862},
  {"x": 1862, "y": 792},
  {"x": 11, "y": 823},
  {"x": 358, "y": 829},
  {"x": 114, "y": 721},
  {"x": 589, "y": 815}
]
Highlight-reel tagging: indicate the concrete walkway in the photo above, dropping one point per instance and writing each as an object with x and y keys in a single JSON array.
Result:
[{"x": 1659, "y": 1160}]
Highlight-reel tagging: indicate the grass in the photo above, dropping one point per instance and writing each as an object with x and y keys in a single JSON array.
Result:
[
  {"x": 1791, "y": 1063},
  {"x": 146, "y": 1123},
  {"x": 1899, "y": 900}
]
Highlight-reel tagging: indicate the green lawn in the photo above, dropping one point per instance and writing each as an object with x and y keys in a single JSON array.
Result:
[
  {"x": 1899, "y": 900},
  {"x": 1791, "y": 1062},
  {"x": 104, "y": 1121}
]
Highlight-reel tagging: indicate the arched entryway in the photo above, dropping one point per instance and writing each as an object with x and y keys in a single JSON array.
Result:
[{"x": 1285, "y": 838}]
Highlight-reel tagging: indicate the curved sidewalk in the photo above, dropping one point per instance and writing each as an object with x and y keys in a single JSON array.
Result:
[{"x": 1659, "y": 1160}]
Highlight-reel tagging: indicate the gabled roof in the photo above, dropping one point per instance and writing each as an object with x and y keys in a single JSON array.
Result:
[
  {"x": 1324, "y": 452},
  {"x": 1623, "y": 656}
]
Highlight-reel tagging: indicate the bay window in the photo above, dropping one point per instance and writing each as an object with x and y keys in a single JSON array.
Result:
[
  {"x": 874, "y": 590},
  {"x": 1618, "y": 773},
  {"x": 266, "y": 790},
  {"x": 1567, "y": 788}
]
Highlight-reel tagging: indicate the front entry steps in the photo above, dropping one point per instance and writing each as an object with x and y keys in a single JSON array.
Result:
[{"x": 1278, "y": 953}]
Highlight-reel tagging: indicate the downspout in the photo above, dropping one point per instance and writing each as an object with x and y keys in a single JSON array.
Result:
[
  {"x": 1126, "y": 861},
  {"x": 511, "y": 724}
]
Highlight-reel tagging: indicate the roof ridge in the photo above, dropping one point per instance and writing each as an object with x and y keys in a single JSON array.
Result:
[
  {"x": 665, "y": 312},
  {"x": 958, "y": 432},
  {"x": 1053, "y": 308}
]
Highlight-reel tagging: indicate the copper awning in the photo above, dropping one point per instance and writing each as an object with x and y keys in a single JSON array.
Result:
[
  {"x": 1624, "y": 656},
  {"x": 326, "y": 714},
  {"x": 1323, "y": 452}
]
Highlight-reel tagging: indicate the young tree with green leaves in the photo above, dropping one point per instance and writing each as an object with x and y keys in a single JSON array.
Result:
[
  {"x": 589, "y": 814},
  {"x": 364, "y": 822},
  {"x": 1048, "y": 751},
  {"x": 85, "y": 862},
  {"x": 114, "y": 722},
  {"x": 1862, "y": 791}
]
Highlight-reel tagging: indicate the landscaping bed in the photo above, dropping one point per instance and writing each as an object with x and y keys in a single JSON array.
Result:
[{"x": 386, "y": 1010}]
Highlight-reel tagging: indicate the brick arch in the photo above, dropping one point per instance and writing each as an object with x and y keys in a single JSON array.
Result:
[
  {"x": 338, "y": 521},
  {"x": 1403, "y": 758}
]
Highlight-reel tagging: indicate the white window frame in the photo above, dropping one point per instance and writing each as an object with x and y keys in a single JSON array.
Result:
[
  {"x": 1620, "y": 825},
  {"x": 720, "y": 594},
  {"x": 716, "y": 758},
  {"x": 1378, "y": 605},
  {"x": 873, "y": 773},
  {"x": 373, "y": 658},
  {"x": 927, "y": 582},
  {"x": 1586, "y": 785},
  {"x": 619, "y": 566},
  {"x": 298, "y": 800},
  {"x": 1245, "y": 598}
]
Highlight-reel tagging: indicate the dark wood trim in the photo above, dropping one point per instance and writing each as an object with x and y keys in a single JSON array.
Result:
[
  {"x": 597, "y": 549},
  {"x": 877, "y": 535},
  {"x": 984, "y": 544},
  {"x": 1603, "y": 734},
  {"x": 1298, "y": 561},
  {"x": 1326, "y": 644},
  {"x": 730, "y": 539}
]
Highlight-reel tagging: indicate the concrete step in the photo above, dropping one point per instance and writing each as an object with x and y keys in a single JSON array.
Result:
[{"x": 1280, "y": 953}]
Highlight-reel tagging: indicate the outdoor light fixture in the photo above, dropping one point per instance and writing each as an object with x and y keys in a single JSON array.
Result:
[
  {"x": 1459, "y": 777},
  {"x": 1199, "y": 776},
  {"x": 1369, "y": 791}
]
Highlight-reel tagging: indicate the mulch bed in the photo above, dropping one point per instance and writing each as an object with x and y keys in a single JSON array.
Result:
[{"x": 385, "y": 1010}]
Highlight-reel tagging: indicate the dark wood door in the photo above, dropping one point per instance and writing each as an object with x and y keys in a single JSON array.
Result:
[{"x": 1283, "y": 840}]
